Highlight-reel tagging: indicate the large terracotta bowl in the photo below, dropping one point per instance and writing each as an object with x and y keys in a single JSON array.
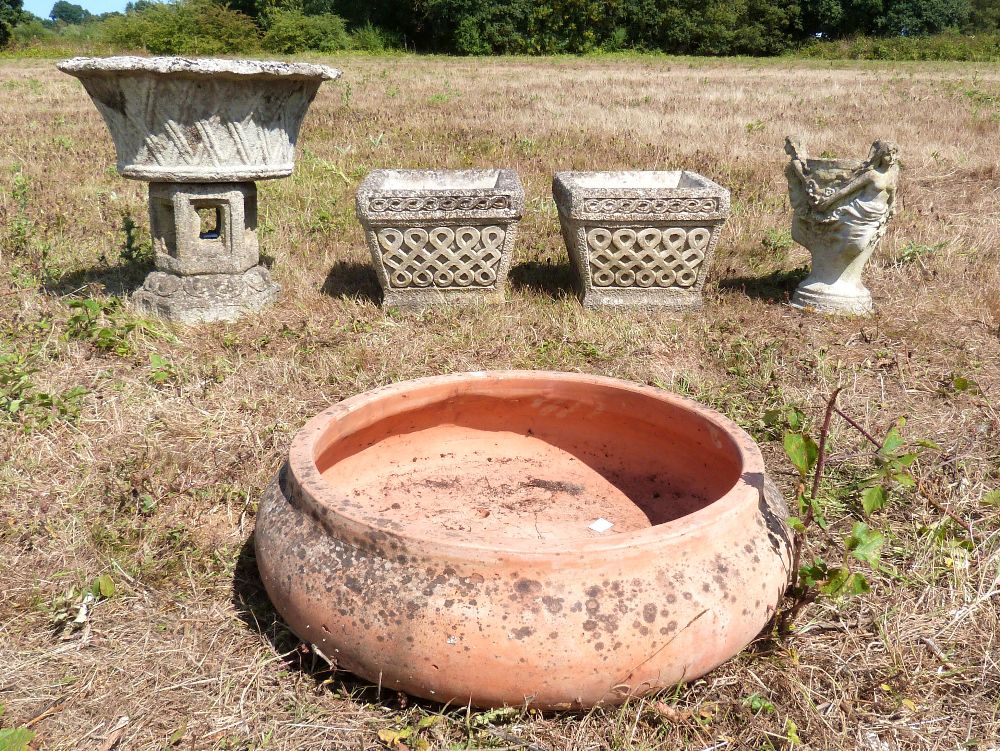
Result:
[{"x": 443, "y": 537}]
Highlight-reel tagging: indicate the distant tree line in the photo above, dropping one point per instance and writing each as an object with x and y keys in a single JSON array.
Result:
[
  {"x": 698, "y": 27},
  {"x": 484, "y": 27}
]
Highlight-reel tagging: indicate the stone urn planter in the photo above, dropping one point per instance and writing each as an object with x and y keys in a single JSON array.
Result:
[
  {"x": 440, "y": 236},
  {"x": 841, "y": 210},
  {"x": 640, "y": 239},
  {"x": 201, "y": 132},
  {"x": 508, "y": 537}
]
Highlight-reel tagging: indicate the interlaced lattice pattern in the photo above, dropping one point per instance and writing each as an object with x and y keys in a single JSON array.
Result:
[
  {"x": 441, "y": 256},
  {"x": 667, "y": 257}
]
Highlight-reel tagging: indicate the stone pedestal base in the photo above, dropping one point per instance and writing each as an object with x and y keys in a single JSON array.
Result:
[
  {"x": 825, "y": 300},
  {"x": 205, "y": 242},
  {"x": 651, "y": 299},
  {"x": 204, "y": 298},
  {"x": 416, "y": 299}
]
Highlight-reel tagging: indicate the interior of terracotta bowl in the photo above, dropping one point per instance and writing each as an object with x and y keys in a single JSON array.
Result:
[{"x": 522, "y": 460}]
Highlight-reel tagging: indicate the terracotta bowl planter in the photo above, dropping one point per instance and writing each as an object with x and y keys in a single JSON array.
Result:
[{"x": 449, "y": 537}]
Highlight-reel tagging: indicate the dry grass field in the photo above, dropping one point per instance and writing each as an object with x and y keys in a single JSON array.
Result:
[{"x": 137, "y": 451}]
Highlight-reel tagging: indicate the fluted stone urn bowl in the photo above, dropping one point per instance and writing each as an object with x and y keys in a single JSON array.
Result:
[
  {"x": 201, "y": 132},
  {"x": 502, "y": 538},
  {"x": 176, "y": 119}
]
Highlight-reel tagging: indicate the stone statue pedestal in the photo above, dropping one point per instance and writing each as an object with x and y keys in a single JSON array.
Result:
[
  {"x": 200, "y": 132},
  {"x": 842, "y": 207},
  {"x": 205, "y": 244}
]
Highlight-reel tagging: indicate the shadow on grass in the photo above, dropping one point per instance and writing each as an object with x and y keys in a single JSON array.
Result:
[
  {"x": 553, "y": 279},
  {"x": 777, "y": 286},
  {"x": 119, "y": 281},
  {"x": 353, "y": 279},
  {"x": 254, "y": 608}
]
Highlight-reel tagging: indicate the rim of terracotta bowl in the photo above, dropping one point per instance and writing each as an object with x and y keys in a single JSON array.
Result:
[{"x": 317, "y": 491}]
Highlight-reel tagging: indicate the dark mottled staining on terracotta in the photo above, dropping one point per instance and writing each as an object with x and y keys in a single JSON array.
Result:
[
  {"x": 554, "y": 635},
  {"x": 599, "y": 646},
  {"x": 433, "y": 584},
  {"x": 671, "y": 598},
  {"x": 554, "y": 486},
  {"x": 528, "y": 587},
  {"x": 553, "y": 604},
  {"x": 748, "y": 548},
  {"x": 706, "y": 587},
  {"x": 523, "y": 633},
  {"x": 777, "y": 534},
  {"x": 687, "y": 595},
  {"x": 577, "y": 607},
  {"x": 649, "y": 612},
  {"x": 590, "y": 625},
  {"x": 593, "y": 592},
  {"x": 593, "y": 606}
]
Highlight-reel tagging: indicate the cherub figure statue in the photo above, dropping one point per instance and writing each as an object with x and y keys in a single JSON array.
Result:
[{"x": 842, "y": 207}]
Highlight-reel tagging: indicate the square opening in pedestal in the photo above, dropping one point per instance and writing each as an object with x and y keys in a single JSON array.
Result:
[
  {"x": 210, "y": 219},
  {"x": 204, "y": 228},
  {"x": 213, "y": 220}
]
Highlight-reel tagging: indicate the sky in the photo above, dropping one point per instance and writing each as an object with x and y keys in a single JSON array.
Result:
[{"x": 41, "y": 8}]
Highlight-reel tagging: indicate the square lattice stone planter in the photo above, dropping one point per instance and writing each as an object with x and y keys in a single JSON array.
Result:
[
  {"x": 440, "y": 236},
  {"x": 640, "y": 239}
]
